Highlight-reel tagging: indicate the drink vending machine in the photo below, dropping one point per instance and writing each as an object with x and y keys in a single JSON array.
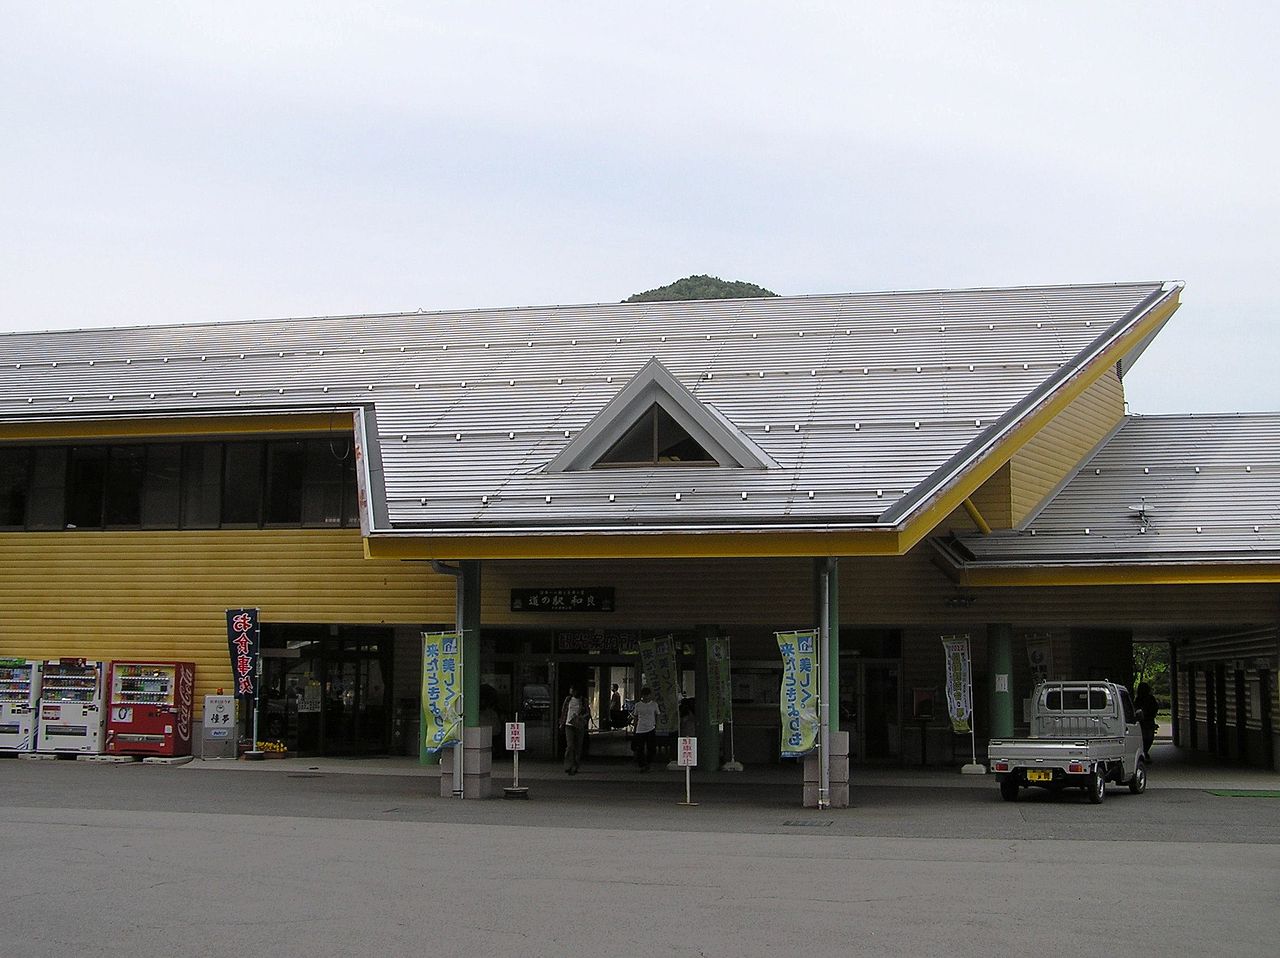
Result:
[
  {"x": 72, "y": 718},
  {"x": 150, "y": 708},
  {"x": 19, "y": 693}
]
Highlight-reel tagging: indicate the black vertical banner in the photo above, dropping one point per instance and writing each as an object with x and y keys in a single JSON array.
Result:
[{"x": 243, "y": 637}]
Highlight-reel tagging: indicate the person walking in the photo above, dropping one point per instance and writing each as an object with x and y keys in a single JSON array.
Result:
[
  {"x": 645, "y": 715},
  {"x": 574, "y": 716}
]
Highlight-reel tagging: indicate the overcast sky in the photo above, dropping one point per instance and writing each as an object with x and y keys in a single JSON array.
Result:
[{"x": 166, "y": 162}]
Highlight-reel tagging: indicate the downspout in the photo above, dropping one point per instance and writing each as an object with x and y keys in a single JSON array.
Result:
[
  {"x": 824, "y": 703},
  {"x": 459, "y": 750}
]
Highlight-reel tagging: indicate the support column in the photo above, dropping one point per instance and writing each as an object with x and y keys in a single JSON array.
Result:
[
  {"x": 1000, "y": 663},
  {"x": 830, "y": 767},
  {"x": 708, "y": 731}
]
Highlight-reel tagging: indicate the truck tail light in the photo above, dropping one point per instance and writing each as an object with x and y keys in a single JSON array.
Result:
[
  {"x": 1076, "y": 768},
  {"x": 999, "y": 766}
]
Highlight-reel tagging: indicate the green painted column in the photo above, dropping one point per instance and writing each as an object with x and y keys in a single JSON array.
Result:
[
  {"x": 1000, "y": 663},
  {"x": 469, "y": 617},
  {"x": 708, "y": 731}
]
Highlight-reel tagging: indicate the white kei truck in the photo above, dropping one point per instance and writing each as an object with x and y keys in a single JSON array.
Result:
[{"x": 1083, "y": 735}]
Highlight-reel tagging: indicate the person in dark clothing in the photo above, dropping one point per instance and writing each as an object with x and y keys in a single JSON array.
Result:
[{"x": 1145, "y": 702}]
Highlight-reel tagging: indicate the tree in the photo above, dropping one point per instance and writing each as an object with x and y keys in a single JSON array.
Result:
[
  {"x": 1151, "y": 665},
  {"x": 700, "y": 286}
]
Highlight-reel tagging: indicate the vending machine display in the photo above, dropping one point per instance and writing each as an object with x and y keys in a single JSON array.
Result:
[
  {"x": 19, "y": 693},
  {"x": 72, "y": 718},
  {"x": 149, "y": 709}
]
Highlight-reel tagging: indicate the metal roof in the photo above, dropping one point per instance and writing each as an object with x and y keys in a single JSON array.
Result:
[
  {"x": 862, "y": 400},
  {"x": 1163, "y": 489}
]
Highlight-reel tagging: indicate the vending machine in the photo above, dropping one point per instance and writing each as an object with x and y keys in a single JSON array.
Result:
[
  {"x": 149, "y": 710},
  {"x": 19, "y": 693},
  {"x": 72, "y": 713}
]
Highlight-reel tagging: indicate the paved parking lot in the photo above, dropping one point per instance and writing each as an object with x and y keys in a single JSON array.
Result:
[{"x": 310, "y": 858}]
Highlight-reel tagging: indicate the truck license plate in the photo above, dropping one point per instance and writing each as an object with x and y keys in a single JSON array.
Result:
[{"x": 1039, "y": 775}]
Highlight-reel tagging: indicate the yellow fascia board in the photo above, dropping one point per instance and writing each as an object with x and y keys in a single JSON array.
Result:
[
  {"x": 951, "y": 498},
  {"x": 717, "y": 545},
  {"x": 1222, "y": 573},
  {"x": 174, "y": 426}
]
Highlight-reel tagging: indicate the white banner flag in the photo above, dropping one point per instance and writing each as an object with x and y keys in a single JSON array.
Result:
[{"x": 959, "y": 682}]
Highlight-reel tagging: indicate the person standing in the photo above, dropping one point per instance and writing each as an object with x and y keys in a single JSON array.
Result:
[
  {"x": 1147, "y": 705},
  {"x": 645, "y": 715},
  {"x": 617, "y": 719},
  {"x": 574, "y": 716}
]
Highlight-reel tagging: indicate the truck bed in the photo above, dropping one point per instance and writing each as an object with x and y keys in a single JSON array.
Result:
[{"x": 1023, "y": 752}]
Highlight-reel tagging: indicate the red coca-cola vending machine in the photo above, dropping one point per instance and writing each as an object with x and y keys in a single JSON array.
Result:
[{"x": 149, "y": 708}]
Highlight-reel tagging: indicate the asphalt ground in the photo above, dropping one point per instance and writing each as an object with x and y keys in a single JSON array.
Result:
[{"x": 317, "y": 858}]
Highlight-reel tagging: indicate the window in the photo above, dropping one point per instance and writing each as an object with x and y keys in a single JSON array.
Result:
[
  {"x": 285, "y": 469},
  {"x": 242, "y": 484},
  {"x": 161, "y": 487},
  {"x": 192, "y": 485},
  {"x": 15, "y": 468},
  {"x": 126, "y": 468},
  {"x": 47, "y": 504},
  {"x": 655, "y": 439},
  {"x": 86, "y": 486},
  {"x": 201, "y": 485}
]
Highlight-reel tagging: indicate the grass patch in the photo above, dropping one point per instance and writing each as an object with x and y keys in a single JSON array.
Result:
[{"x": 1245, "y": 792}]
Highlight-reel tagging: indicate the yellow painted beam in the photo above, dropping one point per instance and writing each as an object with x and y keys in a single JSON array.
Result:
[
  {"x": 637, "y": 546},
  {"x": 178, "y": 426},
  {"x": 1202, "y": 574},
  {"x": 976, "y": 516}
]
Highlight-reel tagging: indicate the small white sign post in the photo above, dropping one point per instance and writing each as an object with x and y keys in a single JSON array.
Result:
[
  {"x": 515, "y": 745},
  {"x": 687, "y": 758}
]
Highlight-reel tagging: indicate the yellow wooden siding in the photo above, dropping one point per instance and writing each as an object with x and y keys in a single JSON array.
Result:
[
  {"x": 164, "y": 595},
  {"x": 994, "y": 499},
  {"x": 176, "y": 427},
  {"x": 1041, "y": 465}
]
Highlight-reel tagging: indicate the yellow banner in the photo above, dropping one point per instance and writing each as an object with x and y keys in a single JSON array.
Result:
[
  {"x": 799, "y": 699},
  {"x": 441, "y": 691}
]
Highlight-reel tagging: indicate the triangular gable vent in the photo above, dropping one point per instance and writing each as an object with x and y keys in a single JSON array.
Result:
[{"x": 655, "y": 421}]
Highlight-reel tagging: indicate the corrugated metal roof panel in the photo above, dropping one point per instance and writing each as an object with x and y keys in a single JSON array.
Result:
[
  {"x": 1164, "y": 488},
  {"x": 857, "y": 397}
]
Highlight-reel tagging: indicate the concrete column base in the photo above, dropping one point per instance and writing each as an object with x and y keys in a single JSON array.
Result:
[
  {"x": 838, "y": 793},
  {"x": 477, "y": 765}
]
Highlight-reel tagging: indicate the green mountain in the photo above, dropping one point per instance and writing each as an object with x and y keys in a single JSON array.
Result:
[{"x": 700, "y": 287}]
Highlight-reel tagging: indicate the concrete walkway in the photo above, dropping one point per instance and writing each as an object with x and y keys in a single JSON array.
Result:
[{"x": 1171, "y": 767}]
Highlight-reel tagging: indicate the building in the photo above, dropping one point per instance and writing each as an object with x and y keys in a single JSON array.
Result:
[{"x": 932, "y": 463}]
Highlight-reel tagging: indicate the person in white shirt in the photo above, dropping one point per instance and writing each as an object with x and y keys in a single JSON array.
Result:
[
  {"x": 645, "y": 715},
  {"x": 574, "y": 716}
]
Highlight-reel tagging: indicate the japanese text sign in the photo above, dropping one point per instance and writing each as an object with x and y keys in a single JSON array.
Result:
[
  {"x": 798, "y": 702},
  {"x": 515, "y": 736},
  {"x": 959, "y": 682},
  {"x": 441, "y": 690},
  {"x": 244, "y": 641}
]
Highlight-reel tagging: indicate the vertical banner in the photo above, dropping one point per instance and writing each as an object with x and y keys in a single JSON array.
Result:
[
  {"x": 658, "y": 663},
  {"x": 719, "y": 687},
  {"x": 799, "y": 699},
  {"x": 959, "y": 682},
  {"x": 244, "y": 636},
  {"x": 1040, "y": 658},
  {"x": 441, "y": 690}
]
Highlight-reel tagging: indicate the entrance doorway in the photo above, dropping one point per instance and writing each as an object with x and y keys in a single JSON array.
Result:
[
  {"x": 871, "y": 708},
  {"x": 327, "y": 689}
]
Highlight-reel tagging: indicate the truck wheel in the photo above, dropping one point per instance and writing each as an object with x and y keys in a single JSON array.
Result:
[
  {"x": 1009, "y": 788},
  {"x": 1097, "y": 788},
  {"x": 1138, "y": 784}
]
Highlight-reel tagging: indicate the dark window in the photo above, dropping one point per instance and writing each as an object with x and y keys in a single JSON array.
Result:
[
  {"x": 86, "y": 487},
  {"x": 655, "y": 439},
  {"x": 1126, "y": 707},
  {"x": 201, "y": 485},
  {"x": 242, "y": 484},
  {"x": 324, "y": 478},
  {"x": 125, "y": 470},
  {"x": 350, "y": 490},
  {"x": 285, "y": 460},
  {"x": 15, "y": 469},
  {"x": 161, "y": 489},
  {"x": 47, "y": 507}
]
